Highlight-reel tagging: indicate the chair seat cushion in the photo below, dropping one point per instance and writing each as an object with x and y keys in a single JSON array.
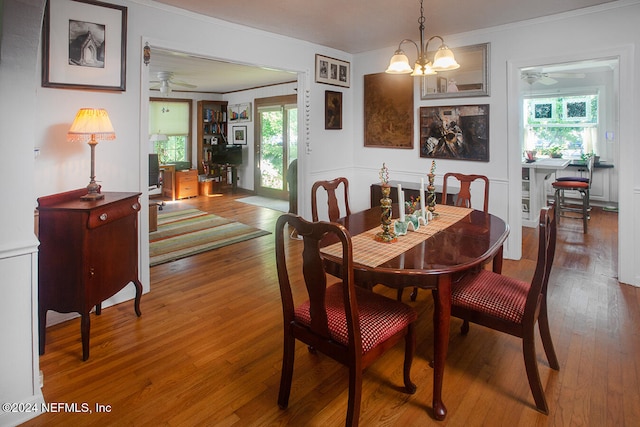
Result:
[
  {"x": 573, "y": 178},
  {"x": 380, "y": 317},
  {"x": 491, "y": 294},
  {"x": 570, "y": 184}
]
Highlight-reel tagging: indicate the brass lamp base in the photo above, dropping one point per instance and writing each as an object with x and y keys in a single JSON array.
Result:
[{"x": 92, "y": 196}]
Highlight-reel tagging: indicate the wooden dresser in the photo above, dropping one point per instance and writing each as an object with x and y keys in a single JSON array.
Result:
[
  {"x": 186, "y": 183},
  {"x": 88, "y": 253}
]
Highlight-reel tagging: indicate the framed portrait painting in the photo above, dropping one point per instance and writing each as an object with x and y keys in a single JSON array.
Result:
[
  {"x": 459, "y": 132},
  {"x": 84, "y": 45},
  {"x": 332, "y": 110}
]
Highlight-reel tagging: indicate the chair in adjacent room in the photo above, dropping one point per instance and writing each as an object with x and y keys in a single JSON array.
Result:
[
  {"x": 463, "y": 198},
  {"x": 332, "y": 199},
  {"x": 581, "y": 184},
  {"x": 514, "y": 307},
  {"x": 155, "y": 176},
  {"x": 347, "y": 323}
]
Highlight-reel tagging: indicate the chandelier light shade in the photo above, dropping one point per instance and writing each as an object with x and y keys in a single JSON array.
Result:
[
  {"x": 91, "y": 125},
  {"x": 443, "y": 60}
]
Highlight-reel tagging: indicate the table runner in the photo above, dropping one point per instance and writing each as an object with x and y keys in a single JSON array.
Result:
[{"x": 367, "y": 251}]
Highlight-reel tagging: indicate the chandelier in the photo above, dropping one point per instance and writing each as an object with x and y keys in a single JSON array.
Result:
[{"x": 443, "y": 59}]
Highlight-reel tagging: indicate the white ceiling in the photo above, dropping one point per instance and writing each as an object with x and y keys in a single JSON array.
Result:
[{"x": 352, "y": 26}]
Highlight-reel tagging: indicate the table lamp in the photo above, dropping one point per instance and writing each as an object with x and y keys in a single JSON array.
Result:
[{"x": 90, "y": 125}]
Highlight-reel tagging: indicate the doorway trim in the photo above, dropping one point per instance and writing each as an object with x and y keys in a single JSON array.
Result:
[{"x": 623, "y": 83}]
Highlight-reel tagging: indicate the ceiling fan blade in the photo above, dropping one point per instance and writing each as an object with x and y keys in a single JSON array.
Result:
[
  {"x": 183, "y": 84},
  {"x": 546, "y": 80},
  {"x": 567, "y": 75}
]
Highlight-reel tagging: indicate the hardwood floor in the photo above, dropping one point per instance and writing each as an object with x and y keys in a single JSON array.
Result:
[{"x": 207, "y": 348}]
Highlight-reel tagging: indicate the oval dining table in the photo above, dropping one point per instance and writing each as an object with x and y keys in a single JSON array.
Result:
[{"x": 475, "y": 239}]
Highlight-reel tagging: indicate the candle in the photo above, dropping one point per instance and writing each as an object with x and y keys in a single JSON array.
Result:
[
  {"x": 422, "y": 209},
  {"x": 433, "y": 167},
  {"x": 401, "y": 202}
]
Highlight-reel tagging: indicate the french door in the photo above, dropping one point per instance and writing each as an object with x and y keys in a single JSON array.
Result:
[{"x": 276, "y": 144}]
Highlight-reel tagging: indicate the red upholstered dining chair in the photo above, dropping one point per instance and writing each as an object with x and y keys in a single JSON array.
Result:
[
  {"x": 350, "y": 324},
  {"x": 513, "y": 306},
  {"x": 581, "y": 184},
  {"x": 332, "y": 199},
  {"x": 463, "y": 199}
]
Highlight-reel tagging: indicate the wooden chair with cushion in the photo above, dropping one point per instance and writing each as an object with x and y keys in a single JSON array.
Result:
[
  {"x": 581, "y": 184},
  {"x": 463, "y": 198},
  {"x": 332, "y": 199},
  {"x": 513, "y": 306},
  {"x": 352, "y": 325}
]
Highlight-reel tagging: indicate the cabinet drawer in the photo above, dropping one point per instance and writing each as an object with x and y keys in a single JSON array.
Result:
[{"x": 113, "y": 212}]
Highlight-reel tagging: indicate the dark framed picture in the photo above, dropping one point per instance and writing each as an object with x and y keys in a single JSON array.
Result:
[
  {"x": 84, "y": 45},
  {"x": 332, "y": 71},
  {"x": 388, "y": 110},
  {"x": 332, "y": 110},
  {"x": 459, "y": 132},
  {"x": 239, "y": 135},
  {"x": 471, "y": 79}
]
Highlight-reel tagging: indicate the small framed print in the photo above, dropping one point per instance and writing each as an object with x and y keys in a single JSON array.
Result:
[
  {"x": 240, "y": 112},
  {"x": 239, "y": 135},
  {"x": 332, "y": 110},
  {"x": 84, "y": 45},
  {"x": 333, "y": 71}
]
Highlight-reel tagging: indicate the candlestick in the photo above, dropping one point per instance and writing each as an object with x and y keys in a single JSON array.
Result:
[
  {"x": 386, "y": 235},
  {"x": 384, "y": 174}
]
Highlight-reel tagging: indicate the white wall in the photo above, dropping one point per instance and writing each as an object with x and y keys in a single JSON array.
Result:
[{"x": 19, "y": 369}]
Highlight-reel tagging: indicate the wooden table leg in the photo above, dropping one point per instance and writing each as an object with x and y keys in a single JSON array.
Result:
[
  {"x": 441, "y": 320},
  {"x": 497, "y": 261}
]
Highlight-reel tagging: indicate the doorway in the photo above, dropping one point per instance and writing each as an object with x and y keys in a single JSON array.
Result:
[{"x": 275, "y": 144}]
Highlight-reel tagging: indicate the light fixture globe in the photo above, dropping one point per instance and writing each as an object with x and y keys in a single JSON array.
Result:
[
  {"x": 399, "y": 64},
  {"x": 444, "y": 60}
]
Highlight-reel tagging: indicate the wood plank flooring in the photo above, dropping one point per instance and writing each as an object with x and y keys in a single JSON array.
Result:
[{"x": 207, "y": 349}]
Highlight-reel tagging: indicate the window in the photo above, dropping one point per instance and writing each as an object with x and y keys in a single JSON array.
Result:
[
  {"x": 169, "y": 123},
  {"x": 564, "y": 126}
]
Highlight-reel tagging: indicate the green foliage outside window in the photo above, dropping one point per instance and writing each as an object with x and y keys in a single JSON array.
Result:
[
  {"x": 561, "y": 126},
  {"x": 173, "y": 150}
]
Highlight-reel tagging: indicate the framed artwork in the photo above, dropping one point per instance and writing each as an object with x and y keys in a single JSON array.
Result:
[
  {"x": 471, "y": 79},
  {"x": 388, "y": 110},
  {"x": 332, "y": 71},
  {"x": 84, "y": 45},
  {"x": 240, "y": 112},
  {"x": 239, "y": 135},
  {"x": 459, "y": 132},
  {"x": 332, "y": 110}
]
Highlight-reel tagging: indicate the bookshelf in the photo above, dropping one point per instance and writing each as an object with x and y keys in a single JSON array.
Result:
[{"x": 212, "y": 130}]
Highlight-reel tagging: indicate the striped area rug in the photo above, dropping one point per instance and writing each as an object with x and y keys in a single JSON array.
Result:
[{"x": 191, "y": 231}]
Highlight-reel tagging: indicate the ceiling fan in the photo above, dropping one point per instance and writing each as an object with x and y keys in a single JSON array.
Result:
[
  {"x": 165, "y": 82},
  {"x": 532, "y": 77}
]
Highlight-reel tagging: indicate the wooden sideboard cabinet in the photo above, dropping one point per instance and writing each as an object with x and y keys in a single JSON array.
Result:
[
  {"x": 88, "y": 253},
  {"x": 186, "y": 183}
]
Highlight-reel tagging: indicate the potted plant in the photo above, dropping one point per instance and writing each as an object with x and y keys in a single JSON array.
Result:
[{"x": 555, "y": 151}]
